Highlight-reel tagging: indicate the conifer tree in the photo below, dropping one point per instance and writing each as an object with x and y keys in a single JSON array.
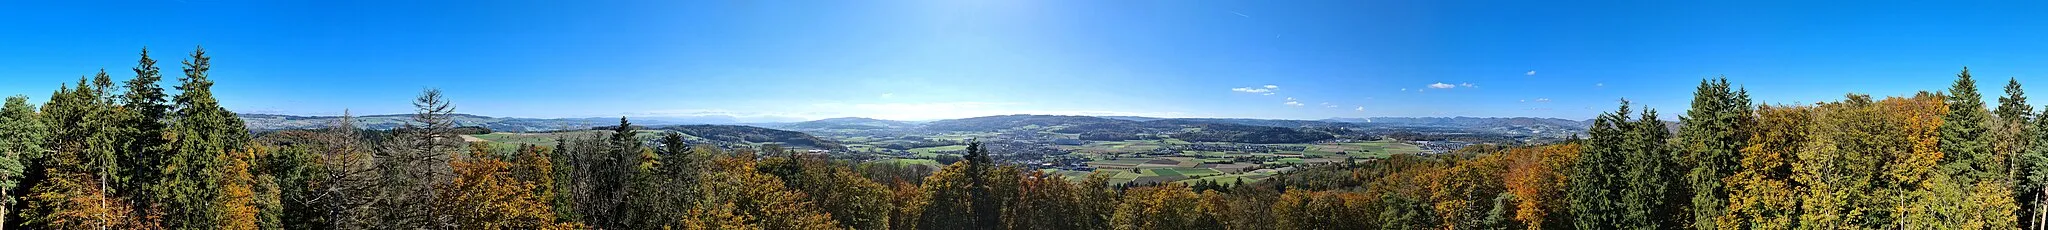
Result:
[
  {"x": 611, "y": 175},
  {"x": 1626, "y": 177},
  {"x": 1650, "y": 199},
  {"x": 1965, "y": 153},
  {"x": 415, "y": 163},
  {"x": 987, "y": 209},
  {"x": 2012, "y": 135},
  {"x": 85, "y": 134},
  {"x": 664, "y": 192},
  {"x": 145, "y": 114},
  {"x": 1595, "y": 180},
  {"x": 1712, "y": 134},
  {"x": 204, "y": 133},
  {"x": 108, "y": 135}
]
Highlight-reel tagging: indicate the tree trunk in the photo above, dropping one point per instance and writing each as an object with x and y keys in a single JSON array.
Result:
[{"x": 2041, "y": 209}]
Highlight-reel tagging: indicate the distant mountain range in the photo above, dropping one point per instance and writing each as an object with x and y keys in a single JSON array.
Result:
[
  {"x": 501, "y": 124},
  {"x": 1108, "y": 127},
  {"x": 1217, "y": 129},
  {"x": 858, "y": 123}
]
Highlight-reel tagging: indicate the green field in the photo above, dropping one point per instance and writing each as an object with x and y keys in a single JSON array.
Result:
[
  {"x": 1165, "y": 172},
  {"x": 1120, "y": 157},
  {"x": 1190, "y": 172},
  {"x": 1133, "y": 146},
  {"x": 548, "y": 139},
  {"x": 862, "y": 148},
  {"x": 904, "y": 162},
  {"x": 1231, "y": 178},
  {"x": 1363, "y": 149},
  {"x": 1291, "y": 160},
  {"x": 939, "y": 149},
  {"x": 1126, "y": 162}
]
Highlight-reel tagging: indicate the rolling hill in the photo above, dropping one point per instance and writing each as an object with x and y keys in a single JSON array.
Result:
[
  {"x": 853, "y": 123},
  {"x": 261, "y": 122},
  {"x": 749, "y": 135}
]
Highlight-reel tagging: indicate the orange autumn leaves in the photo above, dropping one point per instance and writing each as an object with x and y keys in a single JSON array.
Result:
[{"x": 485, "y": 195}]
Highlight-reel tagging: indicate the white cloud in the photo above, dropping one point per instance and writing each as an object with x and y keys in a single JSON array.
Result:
[
  {"x": 1599, "y": 84},
  {"x": 1404, "y": 89},
  {"x": 1261, "y": 90},
  {"x": 1468, "y": 85},
  {"x": 1292, "y": 103},
  {"x": 1543, "y": 100},
  {"x": 1531, "y": 73},
  {"x": 1441, "y": 85},
  {"x": 888, "y": 95},
  {"x": 1360, "y": 109},
  {"x": 1266, "y": 94},
  {"x": 1290, "y": 98}
]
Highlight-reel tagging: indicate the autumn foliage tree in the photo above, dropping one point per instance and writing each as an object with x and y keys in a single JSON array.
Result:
[
  {"x": 1537, "y": 178},
  {"x": 485, "y": 195}
]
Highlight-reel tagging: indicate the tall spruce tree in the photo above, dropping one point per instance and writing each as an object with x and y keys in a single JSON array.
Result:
[
  {"x": 613, "y": 174},
  {"x": 1626, "y": 176},
  {"x": 1966, "y": 155},
  {"x": 2013, "y": 133},
  {"x": 109, "y": 133},
  {"x": 1595, "y": 179},
  {"x": 665, "y": 193},
  {"x": 566, "y": 180},
  {"x": 205, "y": 134},
  {"x": 1712, "y": 135},
  {"x": 2013, "y": 106},
  {"x": 145, "y": 115},
  {"x": 2015, "y": 126},
  {"x": 1650, "y": 199},
  {"x": 987, "y": 209}
]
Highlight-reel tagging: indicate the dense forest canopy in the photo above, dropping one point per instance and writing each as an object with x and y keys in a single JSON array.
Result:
[{"x": 102, "y": 154}]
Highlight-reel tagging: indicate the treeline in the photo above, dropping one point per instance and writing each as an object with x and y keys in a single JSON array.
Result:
[
  {"x": 1933, "y": 160},
  {"x": 1250, "y": 134}
]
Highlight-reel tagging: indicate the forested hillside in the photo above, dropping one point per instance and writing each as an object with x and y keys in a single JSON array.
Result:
[
  {"x": 748, "y": 134},
  {"x": 105, "y": 154}
]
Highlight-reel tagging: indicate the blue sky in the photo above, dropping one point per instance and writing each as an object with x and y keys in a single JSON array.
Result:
[{"x": 949, "y": 59}]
